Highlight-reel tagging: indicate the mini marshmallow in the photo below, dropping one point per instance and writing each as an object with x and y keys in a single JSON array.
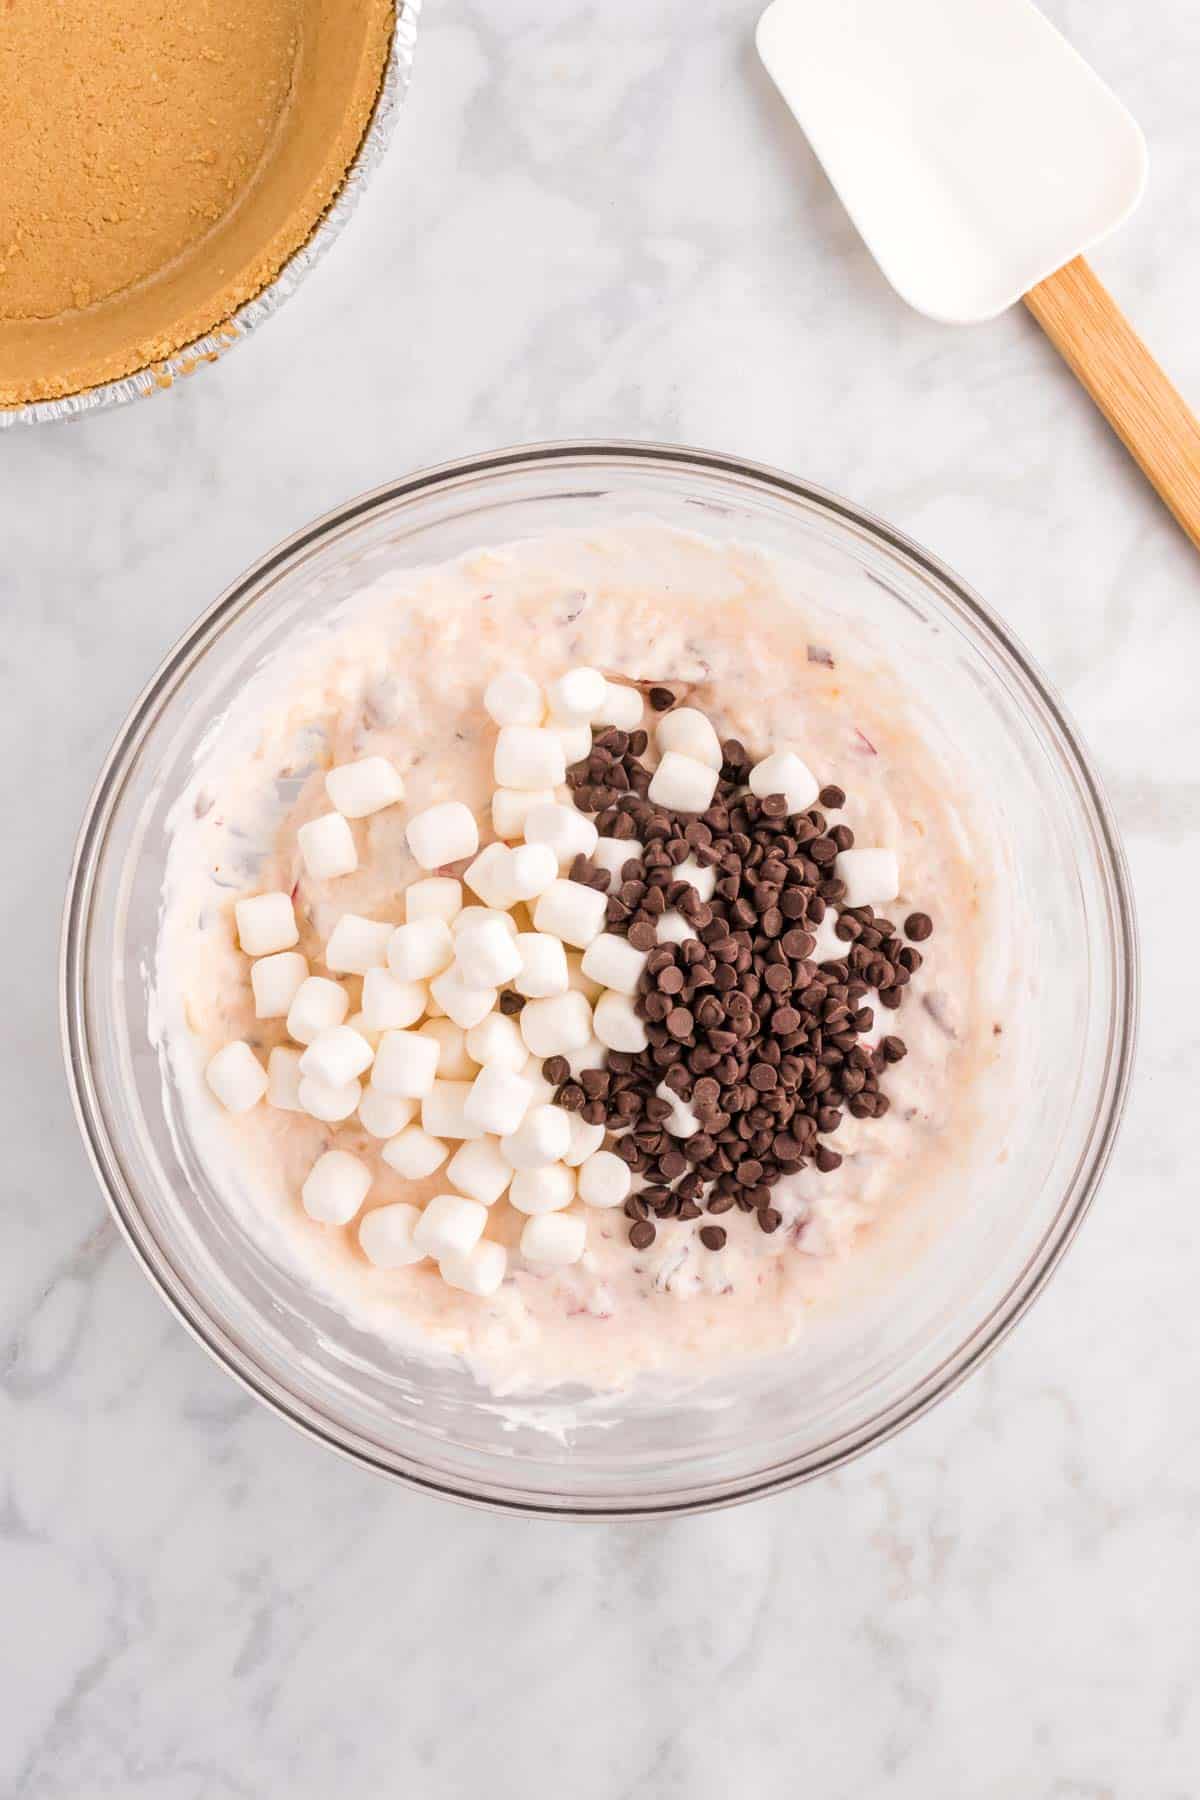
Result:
[
  {"x": 455, "y": 1062},
  {"x": 531, "y": 869},
  {"x": 478, "y": 1170},
  {"x": 486, "y": 956},
  {"x": 622, "y": 706},
  {"x": 385, "y": 1115},
  {"x": 691, "y": 734},
  {"x": 528, "y": 757},
  {"x": 415, "y": 1153},
  {"x": 442, "y": 834},
  {"x": 563, "y": 830},
  {"x": 358, "y": 1023},
  {"x": 385, "y": 1236},
  {"x": 514, "y": 699},
  {"x": 576, "y": 741},
  {"x": 613, "y": 853},
  {"x": 543, "y": 1137},
  {"x": 479, "y": 1272},
  {"x": 673, "y": 928},
  {"x": 358, "y": 789},
  {"x": 327, "y": 847},
  {"x": 337, "y": 1056},
  {"x": 276, "y": 980},
  {"x": 557, "y": 1239},
  {"x": 543, "y": 1090},
  {"x": 236, "y": 1077},
  {"x": 784, "y": 773},
  {"x": 592, "y": 1056},
  {"x": 542, "y": 1190},
  {"x": 418, "y": 951},
  {"x": 579, "y": 982},
  {"x": 697, "y": 875},
  {"x": 329, "y": 1104},
  {"x": 389, "y": 1004},
  {"x": 576, "y": 696},
  {"x": 543, "y": 970},
  {"x": 490, "y": 876},
  {"x": 617, "y": 1024},
  {"x": 266, "y": 923},
  {"x": 356, "y": 945},
  {"x": 872, "y": 877},
  {"x": 444, "y": 1111},
  {"x": 437, "y": 897},
  {"x": 829, "y": 946},
  {"x": 556, "y": 1026},
  {"x": 470, "y": 916},
  {"x": 498, "y": 1100},
  {"x": 682, "y": 784},
  {"x": 586, "y": 1140},
  {"x": 682, "y": 1122},
  {"x": 336, "y": 1186},
  {"x": 465, "y": 1005},
  {"x": 512, "y": 806},
  {"x": 614, "y": 963},
  {"x": 405, "y": 1064},
  {"x": 283, "y": 1079},
  {"x": 320, "y": 1004},
  {"x": 497, "y": 1042},
  {"x": 570, "y": 911},
  {"x": 449, "y": 1226},
  {"x": 604, "y": 1180}
]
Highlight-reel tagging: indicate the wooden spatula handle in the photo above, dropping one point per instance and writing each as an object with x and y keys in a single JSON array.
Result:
[{"x": 1101, "y": 348}]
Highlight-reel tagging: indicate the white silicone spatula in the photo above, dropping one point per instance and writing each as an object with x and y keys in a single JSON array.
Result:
[{"x": 979, "y": 156}]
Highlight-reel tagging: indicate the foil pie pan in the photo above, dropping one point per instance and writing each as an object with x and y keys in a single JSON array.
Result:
[{"x": 204, "y": 350}]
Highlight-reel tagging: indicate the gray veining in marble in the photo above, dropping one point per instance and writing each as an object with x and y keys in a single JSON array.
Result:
[{"x": 599, "y": 219}]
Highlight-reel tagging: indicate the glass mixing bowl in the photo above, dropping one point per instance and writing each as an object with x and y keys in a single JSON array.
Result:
[{"x": 764, "y": 1424}]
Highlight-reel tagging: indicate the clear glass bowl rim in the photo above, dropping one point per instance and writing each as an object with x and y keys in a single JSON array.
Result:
[{"x": 603, "y": 457}]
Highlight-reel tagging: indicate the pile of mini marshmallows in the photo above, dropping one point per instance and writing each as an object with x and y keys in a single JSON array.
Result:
[
  {"x": 440, "y": 1062},
  {"x": 432, "y": 1064}
]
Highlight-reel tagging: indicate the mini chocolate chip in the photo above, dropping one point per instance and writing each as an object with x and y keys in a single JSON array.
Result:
[
  {"x": 511, "y": 1003},
  {"x": 832, "y": 798},
  {"x": 661, "y": 698},
  {"x": 642, "y": 1235},
  {"x": 894, "y": 1049},
  {"x": 713, "y": 1236},
  {"x": 769, "y": 1218},
  {"x": 918, "y": 926}
]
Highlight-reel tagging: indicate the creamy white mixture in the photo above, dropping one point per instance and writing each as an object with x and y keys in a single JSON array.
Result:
[{"x": 400, "y": 671}]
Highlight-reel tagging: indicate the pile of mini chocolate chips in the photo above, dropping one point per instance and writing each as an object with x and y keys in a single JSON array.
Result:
[{"x": 742, "y": 1024}]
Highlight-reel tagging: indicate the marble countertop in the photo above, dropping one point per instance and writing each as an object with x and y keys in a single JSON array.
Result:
[{"x": 599, "y": 220}]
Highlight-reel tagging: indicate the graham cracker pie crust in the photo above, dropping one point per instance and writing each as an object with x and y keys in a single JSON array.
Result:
[{"x": 161, "y": 162}]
